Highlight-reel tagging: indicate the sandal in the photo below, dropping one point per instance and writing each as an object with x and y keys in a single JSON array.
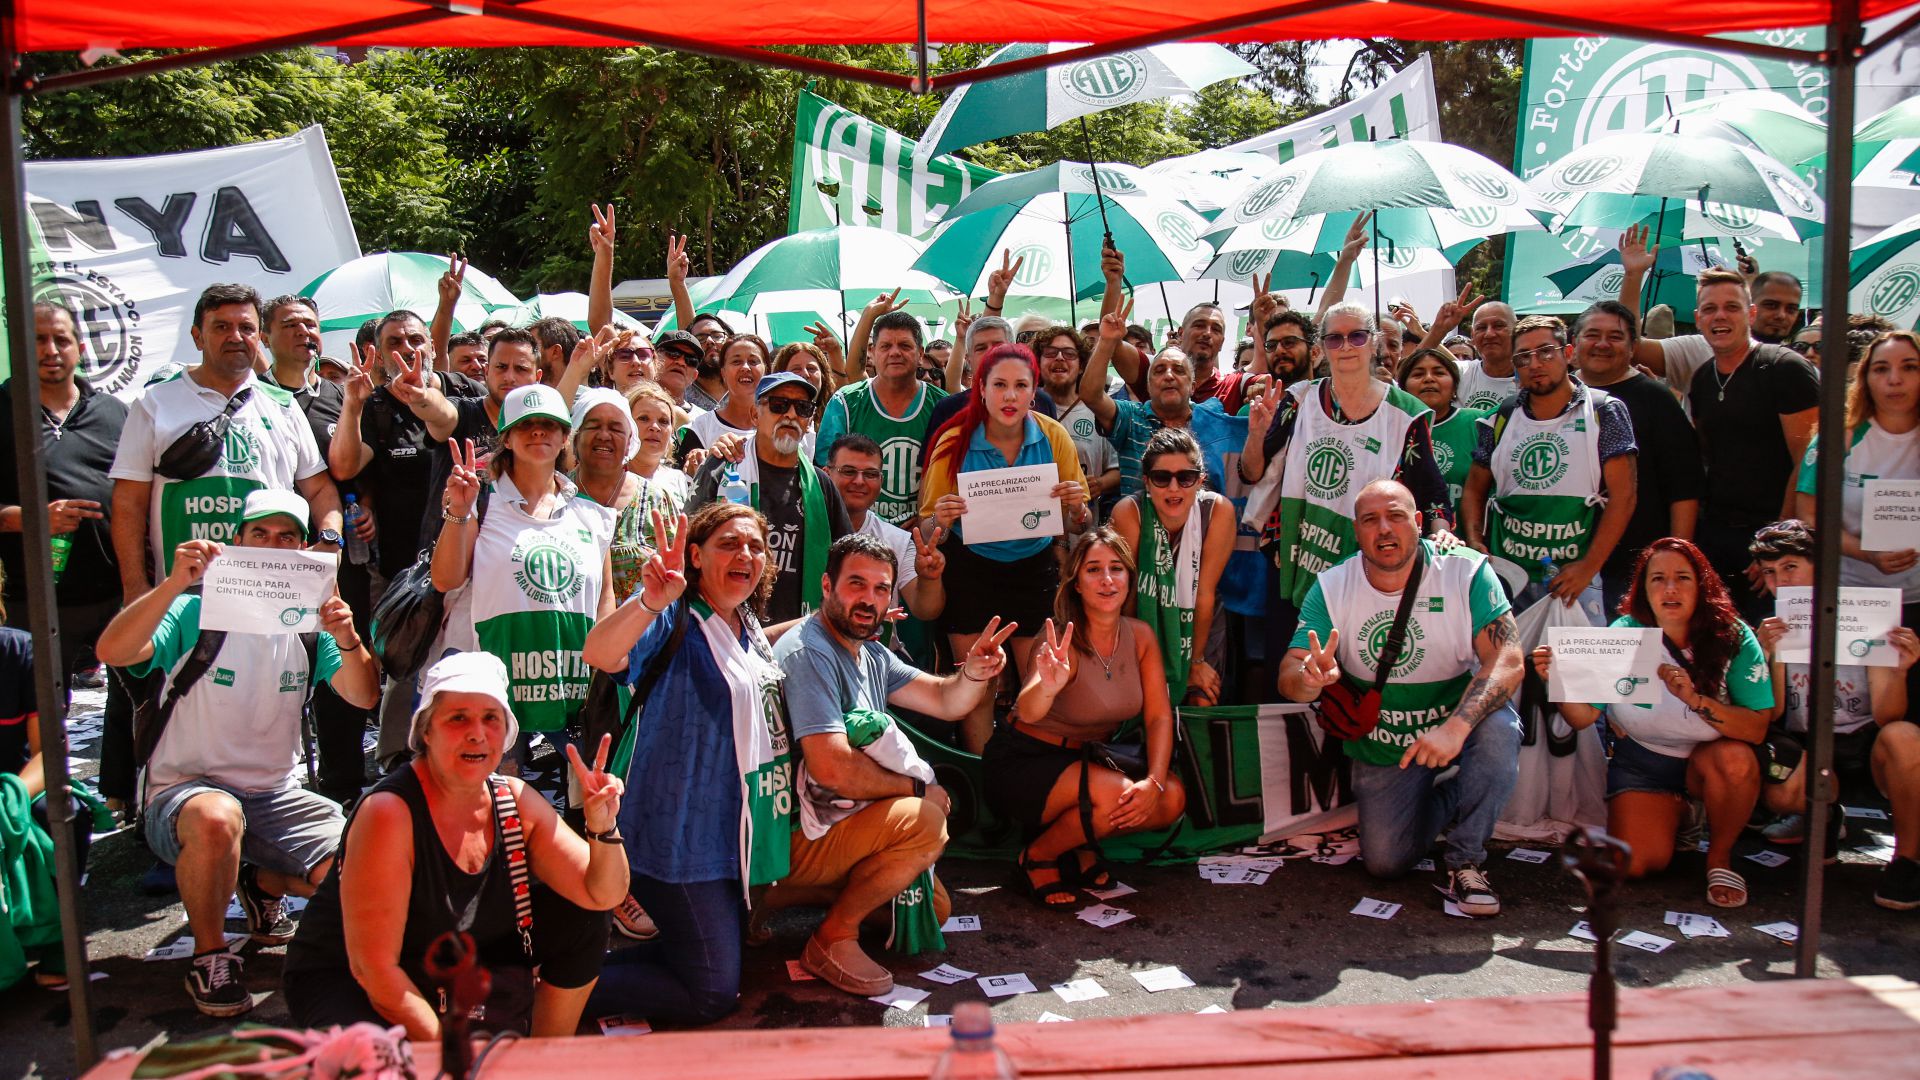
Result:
[
  {"x": 1097, "y": 873},
  {"x": 1719, "y": 877},
  {"x": 1054, "y": 895}
]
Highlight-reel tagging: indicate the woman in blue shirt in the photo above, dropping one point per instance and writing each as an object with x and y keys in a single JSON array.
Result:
[
  {"x": 1014, "y": 580},
  {"x": 709, "y": 811}
]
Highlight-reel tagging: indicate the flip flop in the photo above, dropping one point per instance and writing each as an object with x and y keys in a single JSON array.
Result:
[{"x": 1720, "y": 877}]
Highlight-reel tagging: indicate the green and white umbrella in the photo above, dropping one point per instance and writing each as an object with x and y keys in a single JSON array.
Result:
[
  {"x": 1895, "y": 165},
  {"x": 1048, "y": 97},
  {"x": 1058, "y": 233},
  {"x": 1292, "y": 269},
  {"x": 372, "y": 285},
  {"x": 1605, "y": 182},
  {"x": 1765, "y": 120},
  {"x": 1599, "y": 276},
  {"x": 836, "y": 269},
  {"x": 571, "y": 306},
  {"x": 1404, "y": 182},
  {"x": 1212, "y": 179},
  {"x": 1885, "y": 274}
]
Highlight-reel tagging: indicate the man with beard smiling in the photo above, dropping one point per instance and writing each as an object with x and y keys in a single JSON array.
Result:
[
  {"x": 895, "y": 824},
  {"x": 1755, "y": 405},
  {"x": 1436, "y": 710},
  {"x": 803, "y": 509}
]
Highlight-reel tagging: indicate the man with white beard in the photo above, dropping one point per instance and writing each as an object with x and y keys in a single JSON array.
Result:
[{"x": 801, "y": 505}]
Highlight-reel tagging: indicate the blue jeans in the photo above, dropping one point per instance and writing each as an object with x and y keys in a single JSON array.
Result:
[
  {"x": 690, "y": 974},
  {"x": 1403, "y": 810}
]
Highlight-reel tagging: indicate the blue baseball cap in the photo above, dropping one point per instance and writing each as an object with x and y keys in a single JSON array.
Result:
[{"x": 769, "y": 383}]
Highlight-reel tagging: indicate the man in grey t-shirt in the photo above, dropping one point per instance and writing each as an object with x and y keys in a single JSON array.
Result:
[{"x": 834, "y": 666}]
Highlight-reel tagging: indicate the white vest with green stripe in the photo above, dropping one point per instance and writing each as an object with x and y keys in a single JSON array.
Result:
[
  {"x": 1326, "y": 465},
  {"x": 534, "y": 594},
  {"x": 1546, "y": 485},
  {"x": 1436, "y": 663}
]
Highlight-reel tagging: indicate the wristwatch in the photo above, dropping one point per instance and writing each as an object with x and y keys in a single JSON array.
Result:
[
  {"x": 332, "y": 536},
  {"x": 611, "y": 836},
  {"x": 919, "y": 788}
]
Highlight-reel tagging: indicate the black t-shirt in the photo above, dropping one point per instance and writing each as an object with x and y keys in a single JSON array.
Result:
[
  {"x": 781, "y": 502},
  {"x": 17, "y": 702},
  {"x": 322, "y": 404},
  {"x": 1669, "y": 464},
  {"x": 77, "y": 455},
  {"x": 1741, "y": 443},
  {"x": 475, "y": 424},
  {"x": 395, "y": 479}
]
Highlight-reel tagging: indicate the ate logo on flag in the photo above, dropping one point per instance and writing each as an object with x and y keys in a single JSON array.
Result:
[
  {"x": 1894, "y": 290},
  {"x": 1105, "y": 82}
]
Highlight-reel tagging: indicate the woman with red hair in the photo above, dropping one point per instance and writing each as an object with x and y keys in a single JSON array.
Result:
[
  {"x": 1716, "y": 698},
  {"x": 1014, "y": 580}
]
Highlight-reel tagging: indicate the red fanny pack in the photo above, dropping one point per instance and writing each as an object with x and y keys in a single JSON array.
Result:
[{"x": 1344, "y": 710}]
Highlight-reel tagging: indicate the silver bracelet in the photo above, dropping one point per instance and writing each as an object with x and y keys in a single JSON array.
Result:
[
  {"x": 446, "y": 515},
  {"x": 641, "y": 599}
]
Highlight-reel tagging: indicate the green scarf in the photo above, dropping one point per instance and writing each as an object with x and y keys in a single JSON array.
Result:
[
  {"x": 1154, "y": 601},
  {"x": 815, "y": 534}
]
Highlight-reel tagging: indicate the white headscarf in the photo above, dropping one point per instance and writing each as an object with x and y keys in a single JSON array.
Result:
[{"x": 590, "y": 398}]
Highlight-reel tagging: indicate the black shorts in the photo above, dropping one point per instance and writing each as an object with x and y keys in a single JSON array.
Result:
[
  {"x": 1783, "y": 751},
  {"x": 979, "y": 588},
  {"x": 1018, "y": 772}
]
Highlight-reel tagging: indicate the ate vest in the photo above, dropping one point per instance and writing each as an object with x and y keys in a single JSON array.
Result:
[
  {"x": 534, "y": 593},
  {"x": 900, "y": 440},
  {"x": 1453, "y": 442},
  {"x": 1546, "y": 485},
  {"x": 1436, "y": 662},
  {"x": 1326, "y": 465}
]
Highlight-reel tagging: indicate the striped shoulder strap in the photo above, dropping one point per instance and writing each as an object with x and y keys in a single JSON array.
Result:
[{"x": 515, "y": 839}]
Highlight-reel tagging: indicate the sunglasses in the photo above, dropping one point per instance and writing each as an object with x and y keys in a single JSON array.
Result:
[
  {"x": 1167, "y": 477},
  {"x": 1355, "y": 340},
  {"x": 1026, "y": 336},
  {"x": 779, "y": 406},
  {"x": 633, "y": 356},
  {"x": 1804, "y": 348}
]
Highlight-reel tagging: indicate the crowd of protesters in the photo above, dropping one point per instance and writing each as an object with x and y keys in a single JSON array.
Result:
[{"x": 713, "y": 570}]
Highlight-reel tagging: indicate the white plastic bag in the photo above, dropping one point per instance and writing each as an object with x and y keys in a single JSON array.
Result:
[{"x": 1563, "y": 773}]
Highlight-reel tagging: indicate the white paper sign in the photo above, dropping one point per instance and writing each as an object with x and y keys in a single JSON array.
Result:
[
  {"x": 1015, "y": 503},
  {"x": 1583, "y": 930},
  {"x": 1890, "y": 515},
  {"x": 939, "y": 1019},
  {"x": 1004, "y": 985},
  {"x": 266, "y": 590},
  {"x": 1864, "y": 619},
  {"x": 1158, "y": 979},
  {"x": 625, "y": 1024},
  {"x": 1604, "y": 666},
  {"x": 1768, "y": 858},
  {"x": 1375, "y": 909},
  {"x": 1871, "y": 813},
  {"x": 1079, "y": 990},
  {"x": 1053, "y": 1018},
  {"x": 960, "y": 923},
  {"x": 1212, "y": 1010},
  {"x": 1693, "y": 926},
  {"x": 1104, "y": 915},
  {"x": 796, "y": 973},
  {"x": 1530, "y": 855},
  {"x": 901, "y": 997},
  {"x": 1453, "y": 909},
  {"x": 1652, "y": 943},
  {"x": 947, "y": 973},
  {"x": 1785, "y": 931},
  {"x": 1118, "y": 890}
]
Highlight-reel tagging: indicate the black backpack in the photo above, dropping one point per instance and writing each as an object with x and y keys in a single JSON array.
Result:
[{"x": 150, "y": 716}]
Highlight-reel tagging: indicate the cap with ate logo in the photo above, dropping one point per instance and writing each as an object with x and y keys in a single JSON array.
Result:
[{"x": 537, "y": 400}]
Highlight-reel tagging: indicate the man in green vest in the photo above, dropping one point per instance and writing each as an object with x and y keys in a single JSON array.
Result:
[
  {"x": 803, "y": 509},
  {"x": 894, "y": 409},
  {"x": 1554, "y": 472}
]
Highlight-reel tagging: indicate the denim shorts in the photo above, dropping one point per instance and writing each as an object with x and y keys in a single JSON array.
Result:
[
  {"x": 290, "y": 831},
  {"x": 1635, "y": 768}
]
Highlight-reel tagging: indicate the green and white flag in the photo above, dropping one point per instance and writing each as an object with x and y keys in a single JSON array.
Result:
[
  {"x": 1886, "y": 275},
  {"x": 849, "y": 170},
  {"x": 1403, "y": 107}
]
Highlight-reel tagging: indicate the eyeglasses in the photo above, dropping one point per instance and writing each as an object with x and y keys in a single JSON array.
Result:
[
  {"x": 1289, "y": 342},
  {"x": 1541, "y": 354},
  {"x": 1166, "y": 477},
  {"x": 711, "y": 335},
  {"x": 1355, "y": 340},
  {"x": 848, "y": 472},
  {"x": 1051, "y": 353},
  {"x": 1804, "y": 348},
  {"x": 779, "y": 406},
  {"x": 1025, "y": 336}
]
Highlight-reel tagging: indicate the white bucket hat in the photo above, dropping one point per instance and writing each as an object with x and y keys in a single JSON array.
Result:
[
  {"x": 591, "y": 398},
  {"x": 462, "y": 673}
]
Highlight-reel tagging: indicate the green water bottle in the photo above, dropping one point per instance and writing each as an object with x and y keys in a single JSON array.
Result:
[{"x": 62, "y": 546}]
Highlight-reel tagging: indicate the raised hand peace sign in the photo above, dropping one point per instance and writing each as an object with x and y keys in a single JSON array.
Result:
[
  {"x": 1053, "y": 659},
  {"x": 453, "y": 280},
  {"x": 1356, "y": 235},
  {"x": 360, "y": 377},
  {"x": 1262, "y": 408},
  {"x": 929, "y": 561},
  {"x": 678, "y": 262},
  {"x": 885, "y": 303},
  {"x": 599, "y": 792},
  {"x": 1322, "y": 666},
  {"x": 463, "y": 483},
  {"x": 600, "y": 233},
  {"x": 984, "y": 661},
  {"x": 409, "y": 383},
  {"x": 999, "y": 281},
  {"x": 1454, "y": 312},
  {"x": 1113, "y": 325},
  {"x": 664, "y": 577}
]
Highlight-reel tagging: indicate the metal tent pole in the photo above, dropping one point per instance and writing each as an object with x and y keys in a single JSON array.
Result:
[
  {"x": 50, "y": 687},
  {"x": 1843, "y": 38}
]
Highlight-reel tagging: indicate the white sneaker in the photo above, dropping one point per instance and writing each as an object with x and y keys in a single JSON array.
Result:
[
  {"x": 633, "y": 922},
  {"x": 1472, "y": 893}
]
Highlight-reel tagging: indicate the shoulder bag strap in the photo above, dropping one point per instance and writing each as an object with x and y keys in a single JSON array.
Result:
[
  {"x": 507, "y": 815},
  {"x": 199, "y": 661},
  {"x": 1397, "y": 634}
]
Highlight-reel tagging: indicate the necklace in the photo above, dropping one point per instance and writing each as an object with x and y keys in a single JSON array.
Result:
[
  {"x": 1106, "y": 662},
  {"x": 1721, "y": 383}
]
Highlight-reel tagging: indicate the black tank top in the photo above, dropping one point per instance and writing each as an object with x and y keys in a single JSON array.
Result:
[{"x": 439, "y": 896}]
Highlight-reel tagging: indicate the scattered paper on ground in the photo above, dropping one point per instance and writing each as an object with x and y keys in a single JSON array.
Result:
[
  {"x": 625, "y": 1024},
  {"x": 1079, "y": 990},
  {"x": 1005, "y": 985},
  {"x": 1785, "y": 931},
  {"x": 1652, "y": 943},
  {"x": 1104, "y": 915},
  {"x": 901, "y": 997},
  {"x": 1528, "y": 855},
  {"x": 1158, "y": 979},
  {"x": 947, "y": 973},
  {"x": 1115, "y": 892},
  {"x": 1375, "y": 909},
  {"x": 960, "y": 923},
  {"x": 1768, "y": 858},
  {"x": 796, "y": 973},
  {"x": 1054, "y": 1018}
]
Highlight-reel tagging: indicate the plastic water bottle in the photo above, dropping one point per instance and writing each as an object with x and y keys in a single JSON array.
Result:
[
  {"x": 357, "y": 551},
  {"x": 735, "y": 489},
  {"x": 973, "y": 1054},
  {"x": 62, "y": 544}
]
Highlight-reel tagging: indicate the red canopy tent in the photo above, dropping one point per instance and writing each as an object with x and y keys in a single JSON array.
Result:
[{"x": 746, "y": 30}]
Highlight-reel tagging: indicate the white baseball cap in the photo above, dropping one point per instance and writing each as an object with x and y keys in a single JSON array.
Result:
[
  {"x": 268, "y": 502},
  {"x": 462, "y": 673},
  {"x": 527, "y": 402}
]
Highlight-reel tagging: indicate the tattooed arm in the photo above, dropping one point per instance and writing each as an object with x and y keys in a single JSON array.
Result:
[{"x": 1498, "y": 646}]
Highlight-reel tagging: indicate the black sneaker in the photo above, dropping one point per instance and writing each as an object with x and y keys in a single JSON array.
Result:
[
  {"x": 213, "y": 982},
  {"x": 1472, "y": 893},
  {"x": 1899, "y": 887},
  {"x": 267, "y": 918}
]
